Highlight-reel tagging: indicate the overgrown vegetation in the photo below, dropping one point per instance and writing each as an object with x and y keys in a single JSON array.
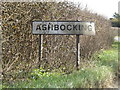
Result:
[
  {"x": 20, "y": 46},
  {"x": 99, "y": 74}
]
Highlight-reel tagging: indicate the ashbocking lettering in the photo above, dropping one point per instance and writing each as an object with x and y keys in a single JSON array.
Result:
[{"x": 63, "y": 27}]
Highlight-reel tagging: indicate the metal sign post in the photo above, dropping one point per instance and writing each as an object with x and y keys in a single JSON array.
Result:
[
  {"x": 39, "y": 55},
  {"x": 77, "y": 52},
  {"x": 40, "y": 48},
  {"x": 63, "y": 28}
]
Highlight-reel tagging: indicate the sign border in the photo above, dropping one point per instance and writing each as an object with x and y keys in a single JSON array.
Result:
[{"x": 59, "y": 21}]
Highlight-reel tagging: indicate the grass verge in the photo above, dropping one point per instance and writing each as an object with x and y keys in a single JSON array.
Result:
[{"x": 99, "y": 75}]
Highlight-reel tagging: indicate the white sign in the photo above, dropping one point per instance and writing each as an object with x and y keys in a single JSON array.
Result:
[{"x": 63, "y": 27}]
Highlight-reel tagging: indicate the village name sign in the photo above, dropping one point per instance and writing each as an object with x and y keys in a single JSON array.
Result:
[{"x": 63, "y": 28}]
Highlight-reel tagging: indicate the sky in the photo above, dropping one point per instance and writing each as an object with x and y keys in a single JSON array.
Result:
[{"x": 103, "y": 7}]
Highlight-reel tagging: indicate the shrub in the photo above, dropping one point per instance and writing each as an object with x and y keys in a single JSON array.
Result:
[{"x": 20, "y": 48}]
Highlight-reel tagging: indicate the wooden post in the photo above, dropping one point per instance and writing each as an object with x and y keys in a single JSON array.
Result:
[
  {"x": 77, "y": 51},
  {"x": 40, "y": 48}
]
